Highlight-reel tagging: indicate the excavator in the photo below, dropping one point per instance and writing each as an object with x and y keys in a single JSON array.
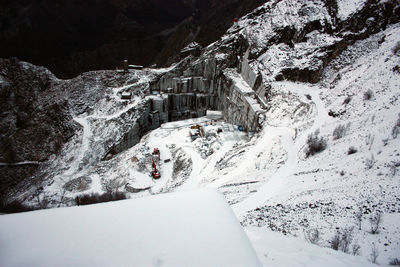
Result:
[
  {"x": 156, "y": 151},
  {"x": 155, "y": 173}
]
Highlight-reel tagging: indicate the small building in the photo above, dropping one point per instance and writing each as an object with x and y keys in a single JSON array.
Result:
[
  {"x": 126, "y": 95},
  {"x": 125, "y": 65},
  {"x": 135, "y": 67}
]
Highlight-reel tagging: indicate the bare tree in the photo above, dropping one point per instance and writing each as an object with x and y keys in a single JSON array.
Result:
[
  {"x": 375, "y": 222},
  {"x": 342, "y": 240},
  {"x": 62, "y": 195},
  {"x": 356, "y": 249},
  {"x": 374, "y": 253},
  {"x": 368, "y": 95},
  {"x": 346, "y": 239},
  {"x": 315, "y": 144},
  {"x": 393, "y": 167},
  {"x": 42, "y": 200},
  {"x": 335, "y": 242},
  {"x": 312, "y": 236},
  {"x": 395, "y": 262},
  {"x": 339, "y": 132},
  {"x": 369, "y": 141},
  {"x": 359, "y": 216},
  {"x": 370, "y": 162}
]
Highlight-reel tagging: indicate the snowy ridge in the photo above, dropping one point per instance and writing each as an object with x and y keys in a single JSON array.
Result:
[{"x": 281, "y": 14}]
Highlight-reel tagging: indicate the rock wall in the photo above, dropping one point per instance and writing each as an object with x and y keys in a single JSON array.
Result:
[
  {"x": 138, "y": 128},
  {"x": 240, "y": 102},
  {"x": 198, "y": 84},
  {"x": 205, "y": 86},
  {"x": 177, "y": 98}
]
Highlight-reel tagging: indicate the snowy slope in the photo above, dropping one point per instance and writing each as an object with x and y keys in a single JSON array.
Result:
[
  {"x": 275, "y": 249},
  {"x": 348, "y": 8},
  {"x": 327, "y": 190},
  {"x": 195, "y": 228}
]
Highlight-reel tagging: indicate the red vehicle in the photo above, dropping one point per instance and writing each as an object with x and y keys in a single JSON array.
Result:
[
  {"x": 155, "y": 173},
  {"x": 156, "y": 151}
]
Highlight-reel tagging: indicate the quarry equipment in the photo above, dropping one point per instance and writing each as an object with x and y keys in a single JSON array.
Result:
[
  {"x": 155, "y": 173},
  {"x": 196, "y": 126},
  {"x": 196, "y": 131},
  {"x": 156, "y": 151},
  {"x": 156, "y": 158}
]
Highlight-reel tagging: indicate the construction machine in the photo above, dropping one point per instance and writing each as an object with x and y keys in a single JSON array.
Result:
[
  {"x": 156, "y": 158},
  {"x": 155, "y": 173}
]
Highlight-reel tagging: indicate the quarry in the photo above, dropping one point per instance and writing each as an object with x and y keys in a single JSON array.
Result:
[
  {"x": 292, "y": 115},
  {"x": 178, "y": 98}
]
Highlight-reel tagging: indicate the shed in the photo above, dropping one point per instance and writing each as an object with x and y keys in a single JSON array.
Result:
[{"x": 126, "y": 95}]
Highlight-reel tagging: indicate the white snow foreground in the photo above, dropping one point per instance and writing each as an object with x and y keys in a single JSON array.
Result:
[
  {"x": 195, "y": 228},
  {"x": 275, "y": 249}
]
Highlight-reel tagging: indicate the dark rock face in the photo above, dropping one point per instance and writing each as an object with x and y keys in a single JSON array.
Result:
[
  {"x": 12, "y": 177},
  {"x": 37, "y": 113},
  {"x": 375, "y": 16},
  {"x": 32, "y": 126},
  {"x": 71, "y": 37}
]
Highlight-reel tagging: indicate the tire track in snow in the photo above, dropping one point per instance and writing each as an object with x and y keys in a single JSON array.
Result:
[{"x": 195, "y": 176}]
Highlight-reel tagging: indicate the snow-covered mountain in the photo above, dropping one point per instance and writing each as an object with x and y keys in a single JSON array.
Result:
[{"x": 314, "y": 84}]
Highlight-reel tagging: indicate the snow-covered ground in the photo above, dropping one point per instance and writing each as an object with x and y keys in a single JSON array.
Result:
[
  {"x": 275, "y": 249},
  {"x": 337, "y": 190},
  {"x": 195, "y": 228},
  {"x": 348, "y": 8}
]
